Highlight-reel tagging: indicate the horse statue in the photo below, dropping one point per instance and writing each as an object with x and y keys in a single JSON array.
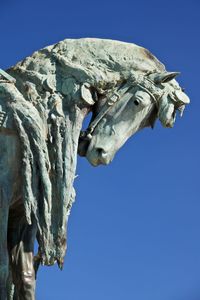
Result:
[{"x": 43, "y": 102}]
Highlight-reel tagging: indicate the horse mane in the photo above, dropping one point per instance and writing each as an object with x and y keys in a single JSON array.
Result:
[
  {"x": 49, "y": 144},
  {"x": 101, "y": 62}
]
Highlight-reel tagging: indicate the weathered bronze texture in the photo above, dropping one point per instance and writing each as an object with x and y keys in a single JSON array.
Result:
[{"x": 43, "y": 102}]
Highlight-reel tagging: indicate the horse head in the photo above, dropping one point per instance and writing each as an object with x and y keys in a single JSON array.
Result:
[{"x": 137, "y": 104}]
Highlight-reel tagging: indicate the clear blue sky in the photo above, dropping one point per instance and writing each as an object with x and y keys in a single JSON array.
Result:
[{"x": 134, "y": 231}]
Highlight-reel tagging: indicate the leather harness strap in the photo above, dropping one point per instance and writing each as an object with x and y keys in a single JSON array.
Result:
[{"x": 115, "y": 97}]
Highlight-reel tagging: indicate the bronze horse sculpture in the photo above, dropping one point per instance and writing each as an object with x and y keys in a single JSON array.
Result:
[{"x": 43, "y": 102}]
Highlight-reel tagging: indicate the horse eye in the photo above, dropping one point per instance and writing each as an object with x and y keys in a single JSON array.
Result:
[
  {"x": 183, "y": 90},
  {"x": 136, "y": 102}
]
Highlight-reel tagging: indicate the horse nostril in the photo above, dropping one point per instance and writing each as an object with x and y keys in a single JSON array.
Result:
[
  {"x": 169, "y": 125},
  {"x": 101, "y": 152},
  {"x": 136, "y": 102}
]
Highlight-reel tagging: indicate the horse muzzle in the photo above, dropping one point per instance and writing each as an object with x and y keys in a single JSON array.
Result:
[
  {"x": 94, "y": 154},
  {"x": 98, "y": 155}
]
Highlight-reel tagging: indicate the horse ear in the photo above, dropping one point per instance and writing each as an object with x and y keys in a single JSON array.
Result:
[
  {"x": 86, "y": 94},
  {"x": 163, "y": 77}
]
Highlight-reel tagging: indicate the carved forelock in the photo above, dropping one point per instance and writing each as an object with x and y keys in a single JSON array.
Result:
[{"x": 150, "y": 86}]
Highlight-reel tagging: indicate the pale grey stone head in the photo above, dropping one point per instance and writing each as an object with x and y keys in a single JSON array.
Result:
[{"x": 154, "y": 96}]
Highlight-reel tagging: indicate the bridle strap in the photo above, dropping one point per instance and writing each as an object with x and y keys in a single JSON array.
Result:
[
  {"x": 114, "y": 98},
  {"x": 148, "y": 92}
]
